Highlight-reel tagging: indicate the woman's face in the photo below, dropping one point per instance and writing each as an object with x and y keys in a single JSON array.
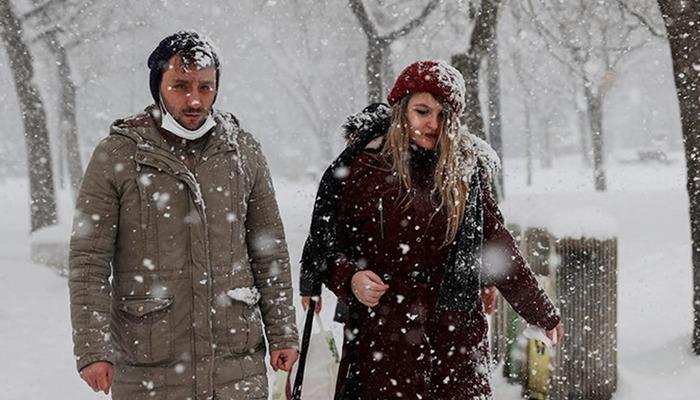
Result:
[{"x": 425, "y": 116}]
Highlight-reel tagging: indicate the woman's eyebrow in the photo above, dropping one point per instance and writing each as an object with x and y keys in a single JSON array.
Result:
[{"x": 427, "y": 106}]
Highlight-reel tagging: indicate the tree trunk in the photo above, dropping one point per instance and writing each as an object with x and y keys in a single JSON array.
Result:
[
  {"x": 328, "y": 153},
  {"x": 472, "y": 118},
  {"x": 377, "y": 53},
  {"x": 595, "y": 120},
  {"x": 582, "y": 120},
  {"x": 681, "y": 20},
  {"x": 495, "y": 136},
  {"x": 60, "y": 164},
  {"x": 41, "y": 185},
  {"x": 68, "y": 120},
  {"x": 378, "y": 63},
  {"x": 546, "y": 151},
  {"x": 387, "y": 71},
  {"x": 469, "y": 64},
  {"x": 528, "y": 143},
  {"x": 584, "y": 134}
]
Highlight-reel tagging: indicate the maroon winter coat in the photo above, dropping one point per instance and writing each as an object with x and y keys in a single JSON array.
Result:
[{"x": 405, "y": 347}]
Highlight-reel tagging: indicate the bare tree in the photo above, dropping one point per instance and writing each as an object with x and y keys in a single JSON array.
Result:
[
  {"x": 62, "y": 26},
  {"x": 41, "y": 185},
  {"x": 313, "y": 61},
  {"x": 494, "y": 102},
  {"x": 48, "y": 17},
  {"x": 483, "y": 50},
  {"x": 681, "y": 19},
  {"x": 527, "y": 100},
  {"x": 590, "y": 39},
  {"x": 469, "y": 63},
  {"x": 548, "y": 90},
  {"x": 68, "y": 125},
  {"x": 378, "y": 46},
  {"x": 582, "y": 119}
]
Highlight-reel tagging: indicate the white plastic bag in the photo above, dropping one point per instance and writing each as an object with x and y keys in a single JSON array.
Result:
[
  {"x": 282, "y": 388},
  {"x": 322, "y": 362}
]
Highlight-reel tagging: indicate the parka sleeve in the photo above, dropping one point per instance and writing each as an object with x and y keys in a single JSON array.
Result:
[
  {"x": 505, "y": 267},
  {"x": 344, "y": 267},
  {"x": 91, "y": 250},
  {"x": 267, "y": 250}
]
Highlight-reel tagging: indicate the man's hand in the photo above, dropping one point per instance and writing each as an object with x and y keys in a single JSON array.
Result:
[
  {"x": 556, "y": 334},
  {"x": 368, "y": 287},
  {"x": 305, "y": 300},
  {"x": 98, "y": 376},
  {"x": 283, "y": 359}
]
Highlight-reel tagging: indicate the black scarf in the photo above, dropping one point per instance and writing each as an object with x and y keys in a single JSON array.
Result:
[{"x": 459, "y": 289}]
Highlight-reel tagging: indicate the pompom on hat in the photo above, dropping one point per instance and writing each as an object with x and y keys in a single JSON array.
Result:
[{"x": 435, "y": 77}]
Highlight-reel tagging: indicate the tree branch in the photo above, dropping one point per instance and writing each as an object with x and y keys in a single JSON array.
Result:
[
  {"x": 358, "y": 8},
  {"x": 99, "y": 33},
  {"x": 53, "y": 30},
  {"x": 547, "y": 36},
  {"x": 39, "y": 9},
  {"x": 68, "y": 20},
  {"x": 659, "y": 33},
  {"x": 414, "y": 23}
]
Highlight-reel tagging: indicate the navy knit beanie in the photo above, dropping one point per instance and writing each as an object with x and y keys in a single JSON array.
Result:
[{"x": 190, "y": 45}]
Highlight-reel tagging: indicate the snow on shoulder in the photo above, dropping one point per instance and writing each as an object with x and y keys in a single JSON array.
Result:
[{"x": 230, "y": 126}]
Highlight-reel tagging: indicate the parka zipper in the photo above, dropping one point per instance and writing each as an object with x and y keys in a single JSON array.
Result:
[
  {"x": 190, "y": 267},
  {"x": 381, "y": 218}
]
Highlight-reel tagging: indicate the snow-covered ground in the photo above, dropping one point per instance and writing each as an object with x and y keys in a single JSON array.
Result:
[{"x": 645, "y": 207}]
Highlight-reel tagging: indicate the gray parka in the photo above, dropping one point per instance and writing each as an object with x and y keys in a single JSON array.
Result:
[{"x": 177, "y": 243}]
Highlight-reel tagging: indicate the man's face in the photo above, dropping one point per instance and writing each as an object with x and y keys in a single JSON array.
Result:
[{"x": 188, "y": 92}]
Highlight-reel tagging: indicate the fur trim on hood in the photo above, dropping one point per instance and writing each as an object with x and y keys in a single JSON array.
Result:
[{"x": 374, "y": 121}]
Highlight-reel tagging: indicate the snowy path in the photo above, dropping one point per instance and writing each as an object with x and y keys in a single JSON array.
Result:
[
  {"x": 37, "y": 352},
  {"x": 648, "y": 205}
]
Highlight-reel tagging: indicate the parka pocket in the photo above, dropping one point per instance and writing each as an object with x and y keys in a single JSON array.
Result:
[
  {"x": 245, "y": 324},
  {"x": 146, "y": 329}
]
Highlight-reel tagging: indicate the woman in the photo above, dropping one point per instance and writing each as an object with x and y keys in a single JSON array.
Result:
[{"x": 400, "y": 225}]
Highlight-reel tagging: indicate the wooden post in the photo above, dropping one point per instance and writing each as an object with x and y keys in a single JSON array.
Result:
[
  {"x": 586, "y": 362},
  {"x": 580, "y": 275}
]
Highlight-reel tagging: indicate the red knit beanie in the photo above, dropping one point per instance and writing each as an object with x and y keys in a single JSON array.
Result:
[{"x": 435, "y": 77}]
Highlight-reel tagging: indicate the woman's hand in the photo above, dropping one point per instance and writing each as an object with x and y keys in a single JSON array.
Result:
[
  {"x": 555, "y": 335},
  {"x": 368, "y": 287},
  {"x": 488, "y": 297},
  {"x": 305, "y": 300}
]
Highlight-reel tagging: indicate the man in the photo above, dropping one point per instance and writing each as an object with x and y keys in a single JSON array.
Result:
[{"x": 177, "y": 206}]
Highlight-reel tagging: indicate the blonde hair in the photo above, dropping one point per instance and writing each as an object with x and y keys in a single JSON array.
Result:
[{"x": 450, "y": 191}]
